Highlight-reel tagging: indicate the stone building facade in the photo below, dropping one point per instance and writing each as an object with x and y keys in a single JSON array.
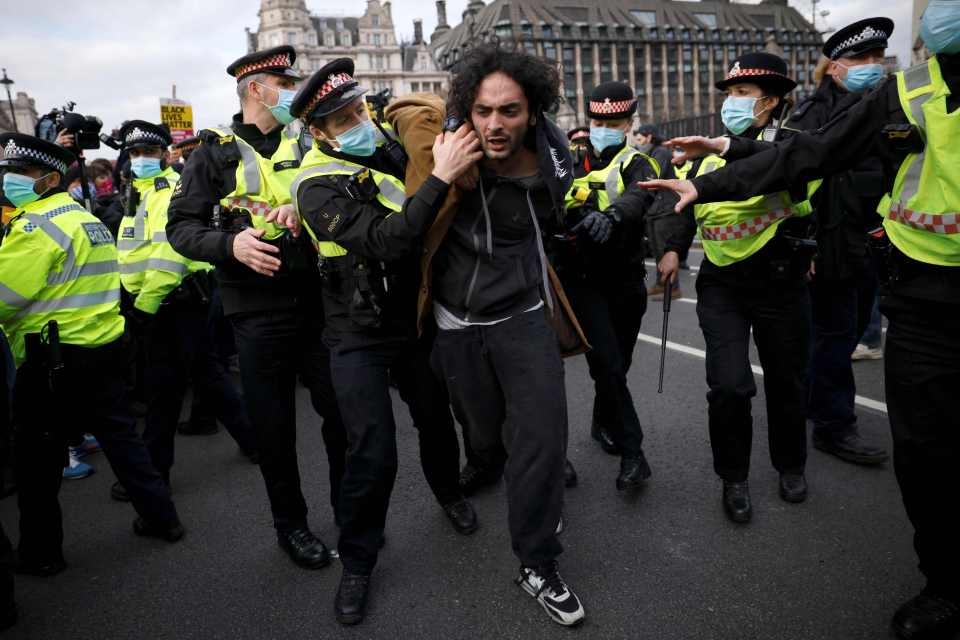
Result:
[{"x": 25, "y": 110}]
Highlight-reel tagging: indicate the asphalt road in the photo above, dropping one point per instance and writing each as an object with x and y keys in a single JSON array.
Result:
[{"x": 662, "y": 564}]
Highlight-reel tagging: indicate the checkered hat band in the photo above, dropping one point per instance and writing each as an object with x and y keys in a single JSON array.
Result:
[
  {"x": 746, "y": 229},
  {"x": 620, "y": 106},
  {"x": 869, "y": 33},
  {"x": 149, "y": 137},
  {"x": 739, "y": 73},
  {"x": 255, "y": 207},
  {"x": 14, "y": 151},
  {"x": 334, "y": 81},
  {"x": 278, "y": 60},
  {"x": 934, "y": 223}
]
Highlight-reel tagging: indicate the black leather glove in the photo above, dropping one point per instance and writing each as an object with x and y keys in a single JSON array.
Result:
[{"x": 597, "y": 225}]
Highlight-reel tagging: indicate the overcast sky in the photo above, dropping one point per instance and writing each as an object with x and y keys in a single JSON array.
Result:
[{"x": 116, "y": 59}]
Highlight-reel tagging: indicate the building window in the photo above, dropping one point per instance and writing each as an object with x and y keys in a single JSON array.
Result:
[
  {"x": 569, "y": 74},
  {"x": 291, "y": 37},
  {"x": 546, "y": 31},
  {"x": 586, "y": 70},
  {"x": 640, "y": 70},
  {"x": 645, "y": 18},
  {"x": 550, "y": 51},
  {"x": 623, "y": 63},
  {"x": 606, "y": 69},
  {"x": 656, "y": 62},
  {"x": 707, "y": 19},
  {"x": 415, "y": 87},
  {"x": 375, "y": 21},
  {"x": 669, "y": 34},
  {"x": 376, "y": 39},
  {"x": 437, "y": 87},
  {"x": 503, "y": 31}
]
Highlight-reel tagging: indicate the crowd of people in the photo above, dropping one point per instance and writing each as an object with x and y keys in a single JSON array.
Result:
[{"x": 458, "y": 249}]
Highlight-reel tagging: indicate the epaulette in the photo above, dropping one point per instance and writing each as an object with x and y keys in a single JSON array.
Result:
[
  {"x": 802, "y": 109},
  {"x": 223, "y": 148},
  {"x": 159, "y": 183}
]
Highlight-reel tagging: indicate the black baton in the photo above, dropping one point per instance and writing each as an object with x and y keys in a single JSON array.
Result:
[{"x": 667, "y": 299}]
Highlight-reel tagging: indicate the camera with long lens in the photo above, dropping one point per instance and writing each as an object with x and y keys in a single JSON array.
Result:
[{"x": 85, "y": 129}]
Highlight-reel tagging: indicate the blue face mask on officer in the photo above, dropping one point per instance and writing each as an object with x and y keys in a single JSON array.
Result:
[
  {"x": 281, "y": 110},
  {"x": 603, "y": 137},
  {"x": 19, "y": 189},
  {"x": 145, "y": 167},
  {"x": 737, "y": 113},
  {"x": 940, "y": 26},
  {"x": 360, "y": 141},
  {"x": 861, "y": 77}
]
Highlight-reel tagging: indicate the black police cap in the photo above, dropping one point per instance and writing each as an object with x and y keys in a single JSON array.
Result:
[
  {"x": 187, "y": 143},
  {"x": 859, "y": 37},
  {"x": 611, "y": 101},
  {"x": 20, "y": 150},
  {"x": 276, "y": 60},
  {"x": 140, "y": 133},
  {"x": 329, "y": 89},
  {"x": 766, "y": 70},
  {"x": 578, "y": 132}
]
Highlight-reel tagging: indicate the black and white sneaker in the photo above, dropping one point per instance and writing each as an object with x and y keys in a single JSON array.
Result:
[{"x": 545, "y": 584}]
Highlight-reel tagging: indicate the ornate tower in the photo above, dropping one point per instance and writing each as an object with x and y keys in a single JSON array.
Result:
[{"x": 284, "y": 22}]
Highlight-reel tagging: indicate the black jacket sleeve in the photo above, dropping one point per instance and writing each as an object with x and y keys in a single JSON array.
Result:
[
  {"x": 833, "y": 148},
  {"x": 634, "y": 202},
  {"x": 368, "y": 228},
  {"x": 683, "y": 226},
  {"x": 191, "y": 207}
]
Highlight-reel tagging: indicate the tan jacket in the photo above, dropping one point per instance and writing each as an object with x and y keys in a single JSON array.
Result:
[{"x": 417, "y": 119}]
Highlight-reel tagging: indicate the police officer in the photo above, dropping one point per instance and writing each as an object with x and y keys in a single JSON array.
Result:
[
  {"x": 753, "y": 277},
  {"x": 600, "y": 265},
  {"x": 844, "y": 285},
  {"x": 182, "y": 151},
  {"x": 170, "y": 303},
  {"x": 914, "y": 115},
  {"x": 351, "y": 197},
  {"x": 60, "y": 309},
  {"x": 268, "y": 281}
]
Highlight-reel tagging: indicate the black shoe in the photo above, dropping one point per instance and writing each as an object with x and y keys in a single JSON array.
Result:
[
  {"x": 736, "y": 501},
  {"x": 169, "y": 532},
  {"x": 350, "y": 603},
  {"x": 472, "y": 479},
  {"x": 607, "y": 443},
  {"x": 793, "y": 487},
  {"x": 41, "y": 567},
  {"x": 118, "y": 492},
  {"x": 197, "y": 429},
  {"x": 927, "y": 616},
  {"x": 8, "y": 616},
  {"x": 633, "y": 471},
  {"x": 462, "y": 516},
  {"x": 569, "y": 475},
  {"x": 850, "y": 446},
  {"x": 304, "y": 548}
]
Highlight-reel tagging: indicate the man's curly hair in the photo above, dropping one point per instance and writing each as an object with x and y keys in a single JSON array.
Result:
[{"x": 539, "y": 79}]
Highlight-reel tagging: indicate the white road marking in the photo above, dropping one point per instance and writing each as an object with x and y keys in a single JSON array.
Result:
[{"x": 869, "y": 403}]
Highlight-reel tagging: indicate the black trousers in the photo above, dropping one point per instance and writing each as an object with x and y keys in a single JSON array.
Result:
[
  {"x": 779, "y": 315},
  {"x": 275, "y": 348},
  {"x": 91, "y": 398},
  {"x": 922, "y": 372},
  {"x": 506, "y": 385},
  {"x": 361, "y": 376},
  {"x": 179, "y": 348},
  {"x": 610, "y": 318}
]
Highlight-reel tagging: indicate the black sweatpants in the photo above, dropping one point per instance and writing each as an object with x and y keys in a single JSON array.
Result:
[
  {"x": 276, "y": 348},
  {"x": 779, "y": 315},
  {"x": 922, "y": 372},
  {"x": 361, "y": 376},
  {"x": 506, "y": 385}
]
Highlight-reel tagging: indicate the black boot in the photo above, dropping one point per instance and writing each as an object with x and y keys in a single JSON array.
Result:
[
  {"x": 350, "y": 603},
  {"x": 633, "y": 471},
  {"x": 171, "y": 532},
  {"x": 472, "y": 479},
  {"x": 927, "y": 616},
  {"x": 200, "y": 428},
  {"x": 848, "y": 445},
  {"x": 118, "y": 492},
  {"x": 569, "y": 475},
  {"x": 461, "y": 516},
  {"x": 607, "y": 443},
  {"x": 793, "y": 487},
  {"x": 304, "y": 548},
  {"x": 736, "y": 501}
]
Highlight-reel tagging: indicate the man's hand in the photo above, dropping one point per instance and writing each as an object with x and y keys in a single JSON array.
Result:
[
  {"x": 693, "y": 147},
  {"x": 285, "y": 216},
  {"x": 598, "y": 226},
  {"x": 469, "y": 179},
  {"x": 67, "y": 140},
  {"x": 683, "y": 188},
  {"x": 257, "y": 255},
  {"x": 669, "y": 266},
  {"x": 454, "y": 153}
]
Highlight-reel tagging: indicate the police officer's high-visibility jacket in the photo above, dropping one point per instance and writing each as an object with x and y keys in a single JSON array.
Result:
[
  {"x": 608, "y": 182},
  {"x": 59, "y": 262},
  {"x": 149, "y": 267},
  {"x": 922, "y": 214},
  {"x": 390, "y": 190},
  {"x": 733, "y": 231},
  {"x": 262, "y": 184}
]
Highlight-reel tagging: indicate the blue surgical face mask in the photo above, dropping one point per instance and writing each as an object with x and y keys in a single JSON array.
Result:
[
  {"x": 359, "y": 141},
  {"x": 19, "y": 189},
  {"x": 737, "y": 113},
  {"x": 77, "y": 192},
  {"x": 281, "y": 110},
  {"x": 940, "y": 26},
  {"x": 144, "y": 167},
  {"x": 603, "y": 137},
  {"x": 862, "y": 77}
]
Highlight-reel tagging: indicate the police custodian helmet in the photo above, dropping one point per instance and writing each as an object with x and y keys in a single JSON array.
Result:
[{"x": 329, "y": 89}]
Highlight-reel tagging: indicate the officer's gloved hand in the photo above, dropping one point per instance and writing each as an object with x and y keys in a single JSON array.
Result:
[
  {"x": 140, "y": 321},
  {"x": 597, "y": 225}
]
